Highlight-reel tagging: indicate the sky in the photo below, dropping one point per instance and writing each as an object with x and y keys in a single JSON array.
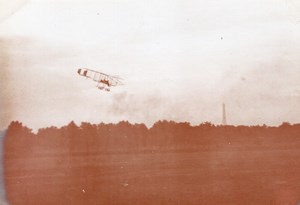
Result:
[{"x": 179, "y": 60}]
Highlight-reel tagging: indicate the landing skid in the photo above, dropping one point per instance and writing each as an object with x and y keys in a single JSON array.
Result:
[{"x": 103, "y": 88}]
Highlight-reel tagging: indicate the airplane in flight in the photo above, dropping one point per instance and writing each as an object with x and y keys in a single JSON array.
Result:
[{"x": 104, "y": 81}]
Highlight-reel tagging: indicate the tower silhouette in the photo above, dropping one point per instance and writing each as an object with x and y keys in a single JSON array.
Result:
[{"x": 224, "y": 122}]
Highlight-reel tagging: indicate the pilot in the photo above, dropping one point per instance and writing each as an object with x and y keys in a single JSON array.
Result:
[{"x": 85, "y": 72}]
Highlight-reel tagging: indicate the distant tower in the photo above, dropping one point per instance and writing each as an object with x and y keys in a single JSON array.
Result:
[{"x": 224, "y": 115}]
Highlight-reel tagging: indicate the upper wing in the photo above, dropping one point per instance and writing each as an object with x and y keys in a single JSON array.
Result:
[{"x": 100, "y": 77}]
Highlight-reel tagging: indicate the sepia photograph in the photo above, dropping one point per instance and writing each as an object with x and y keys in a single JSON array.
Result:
[{"x": 162, "y": 102}]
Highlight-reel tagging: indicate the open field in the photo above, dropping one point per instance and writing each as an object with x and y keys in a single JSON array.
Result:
[
  {"x": 170, "y": 163},
  {"x": 223, "y": 176}
]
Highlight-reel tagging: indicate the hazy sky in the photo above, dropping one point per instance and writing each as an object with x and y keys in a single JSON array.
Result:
[{"x": 180, "y": 61}]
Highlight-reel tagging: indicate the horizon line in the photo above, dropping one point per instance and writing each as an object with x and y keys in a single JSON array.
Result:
[{"x": 78, "y": 124}]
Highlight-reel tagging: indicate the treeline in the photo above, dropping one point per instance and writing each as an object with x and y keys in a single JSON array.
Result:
[{"x": 163, "y": 136}]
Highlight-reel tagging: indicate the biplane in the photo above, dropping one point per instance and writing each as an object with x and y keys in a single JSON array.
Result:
[{"x": 104, "y": 81}]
